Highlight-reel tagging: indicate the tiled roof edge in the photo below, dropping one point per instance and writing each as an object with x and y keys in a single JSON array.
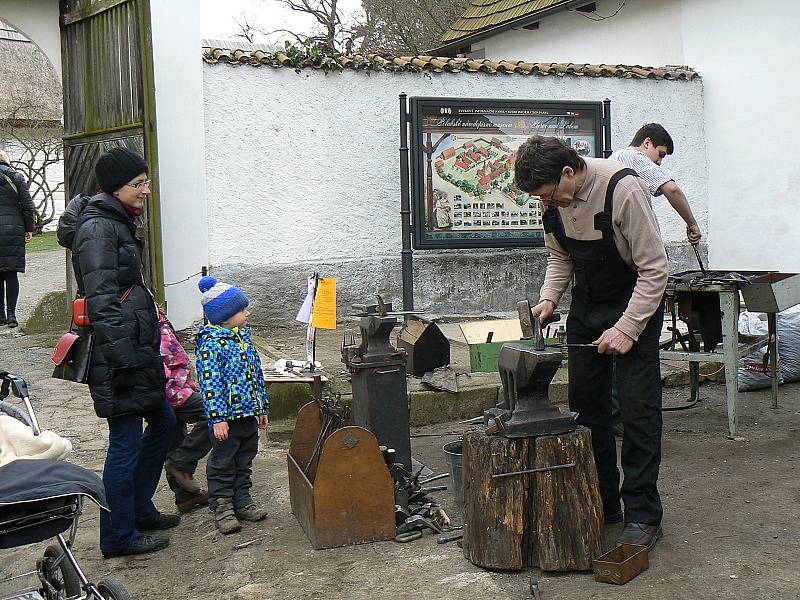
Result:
[{"x": 386, "y": 62}]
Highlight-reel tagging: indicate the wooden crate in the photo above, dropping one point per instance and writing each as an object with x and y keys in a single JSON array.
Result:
[{"x": 351, "y": 499}]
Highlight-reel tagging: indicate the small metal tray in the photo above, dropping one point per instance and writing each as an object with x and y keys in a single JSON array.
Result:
[{"x": 621, "y": 564}]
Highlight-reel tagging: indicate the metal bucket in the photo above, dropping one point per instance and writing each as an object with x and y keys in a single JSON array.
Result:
[{"x": 453, "y": 451}]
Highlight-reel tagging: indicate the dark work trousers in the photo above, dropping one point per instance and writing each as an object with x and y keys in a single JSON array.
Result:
[
  {"x": 638, "y": 378},
  {"x": 189, "y": 447},
  {"x": 9, "y": 292},
  {"x": 230, "y": 464},
  {"x": 133, "y": 467}
]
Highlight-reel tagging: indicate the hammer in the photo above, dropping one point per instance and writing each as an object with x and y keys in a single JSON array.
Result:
[{"x": 531, "y": 326}]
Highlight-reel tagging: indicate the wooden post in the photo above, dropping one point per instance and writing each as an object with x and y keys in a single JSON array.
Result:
[{"x": 551, "y": 519}]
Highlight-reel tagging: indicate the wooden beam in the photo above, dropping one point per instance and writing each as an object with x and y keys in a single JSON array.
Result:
[
  {"x": 100, "y": 134},
  {"x": 151, "y": 147},
  {"x": 95, "y": 8}
]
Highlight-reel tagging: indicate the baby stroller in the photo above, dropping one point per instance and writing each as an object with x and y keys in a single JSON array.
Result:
[{"x": 41, "y": 499}]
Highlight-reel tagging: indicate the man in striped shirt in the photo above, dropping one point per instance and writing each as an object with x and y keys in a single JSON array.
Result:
[{"x": 644, "y": 155}]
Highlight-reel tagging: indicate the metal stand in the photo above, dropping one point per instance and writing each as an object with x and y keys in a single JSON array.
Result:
[
  {"x": 732, "y": 349},
  {"x": 406, "y": 226},
  {"x": 378, "y": 373}
]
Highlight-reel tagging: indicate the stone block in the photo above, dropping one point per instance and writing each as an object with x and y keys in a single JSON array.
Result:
[
  {"x": 285, "y": 399},
  {"x": 429, "y": 407},
  {"x": 50, "y": 314}
]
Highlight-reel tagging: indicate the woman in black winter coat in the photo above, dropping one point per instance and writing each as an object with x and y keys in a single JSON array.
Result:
[
  {"x": 126, "y": 375},
  {"x": 16, "y": 230}
]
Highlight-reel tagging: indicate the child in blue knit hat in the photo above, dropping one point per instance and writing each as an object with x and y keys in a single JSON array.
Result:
[{"x": 235, "y": 399}]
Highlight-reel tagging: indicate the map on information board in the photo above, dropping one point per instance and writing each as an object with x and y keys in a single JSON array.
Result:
[{"x": 462, "y": 167}]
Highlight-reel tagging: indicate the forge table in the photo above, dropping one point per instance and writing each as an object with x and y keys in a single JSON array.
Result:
[{"x": 769, "y": 293}]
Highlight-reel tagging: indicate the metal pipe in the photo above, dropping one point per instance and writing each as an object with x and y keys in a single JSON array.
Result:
[
  {"x": 607, "y": 151},
  {"x": 406, "y": 255},
  {"x": 539, "y": 470}
]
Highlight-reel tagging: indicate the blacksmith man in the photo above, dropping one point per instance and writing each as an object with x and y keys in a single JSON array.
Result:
[{"x": 602, "y": 235}]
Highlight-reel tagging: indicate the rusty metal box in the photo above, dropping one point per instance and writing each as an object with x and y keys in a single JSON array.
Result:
[{"x": 621, "y": 564}]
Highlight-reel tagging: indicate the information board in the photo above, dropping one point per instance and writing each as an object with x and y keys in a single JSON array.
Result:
[{"x": 462, "y": 166}]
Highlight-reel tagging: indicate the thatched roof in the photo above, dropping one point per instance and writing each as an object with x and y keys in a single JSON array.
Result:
[{"x": 30, "y": 90}]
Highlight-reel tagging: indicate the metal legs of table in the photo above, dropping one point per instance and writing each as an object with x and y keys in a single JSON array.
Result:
[
  {"x": 773, "y": 355},
  {"x": 729, "y": 306}
]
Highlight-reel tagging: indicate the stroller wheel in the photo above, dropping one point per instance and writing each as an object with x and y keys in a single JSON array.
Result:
[
  {"x": 111, "y": 589},
  {"x": 59, "y": 578}
]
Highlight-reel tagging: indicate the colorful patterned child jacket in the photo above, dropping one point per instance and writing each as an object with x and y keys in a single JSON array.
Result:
[{"x": 229, "y": 373}]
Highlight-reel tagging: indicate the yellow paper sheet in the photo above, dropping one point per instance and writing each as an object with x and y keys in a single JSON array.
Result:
[{"x": 324, "y": 313}]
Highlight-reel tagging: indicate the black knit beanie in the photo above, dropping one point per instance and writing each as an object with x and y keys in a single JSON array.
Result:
[{"x": 117, "y": 167}]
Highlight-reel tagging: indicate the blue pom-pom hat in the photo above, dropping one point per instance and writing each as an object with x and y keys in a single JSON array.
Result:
[{"x": 220, "y": 300}]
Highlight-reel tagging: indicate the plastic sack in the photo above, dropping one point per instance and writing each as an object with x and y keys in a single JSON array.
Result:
[
  {"x": 753, "y": 375},
  {"x": 789, "y": 343}
]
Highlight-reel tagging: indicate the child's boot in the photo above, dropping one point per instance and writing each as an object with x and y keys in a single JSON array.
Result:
[
  {"x": 225, "y": 518},
  {"x": 251, "y": 512}
]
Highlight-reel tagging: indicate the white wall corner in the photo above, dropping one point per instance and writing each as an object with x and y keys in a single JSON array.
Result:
[{"x": 178, "y": 70}]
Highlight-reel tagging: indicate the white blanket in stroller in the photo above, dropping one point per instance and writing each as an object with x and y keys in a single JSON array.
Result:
[{"x": 17, "y": 441}]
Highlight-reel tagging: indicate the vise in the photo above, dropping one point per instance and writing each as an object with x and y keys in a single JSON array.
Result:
[{"x": 526, "y": 372}]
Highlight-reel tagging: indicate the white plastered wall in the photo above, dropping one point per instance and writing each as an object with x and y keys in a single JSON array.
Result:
[
  {"x": 646, "y": 29},
  {"x": 178, "y": 74},
  {"x": 303, "y": 166},
  {"x": 745, "y": 53}
]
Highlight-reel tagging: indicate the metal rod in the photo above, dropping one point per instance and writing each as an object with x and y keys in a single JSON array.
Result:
[
  {"x": 607, "y": 151},
  {"x": 539, "y": 470},
  {"x": 699, "y": 260},
  {"x": 773, "y": 356},
  {"x": 406, "y": 254},
  {"x": 314, "y": 335}
]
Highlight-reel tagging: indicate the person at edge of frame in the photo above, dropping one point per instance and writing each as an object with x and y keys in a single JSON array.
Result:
[
  {"x": 602, "y": 235},
  {"x": 650, "y": 144}
]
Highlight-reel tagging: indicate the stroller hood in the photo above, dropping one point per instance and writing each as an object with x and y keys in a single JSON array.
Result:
[
  {"x": 37, "y": 499},
  {"x": 31, "y": 480}
]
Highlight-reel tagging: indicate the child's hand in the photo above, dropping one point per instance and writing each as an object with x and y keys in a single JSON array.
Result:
[
  {"x": 263, "y": 422},
  {"x": 221, "y": 431}
]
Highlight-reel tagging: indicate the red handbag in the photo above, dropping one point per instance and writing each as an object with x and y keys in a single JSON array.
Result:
[
  {"x": 63, "y": 346},
  {"x": 80, "y": 312},
  {"x": 72, "y": 355},
  {"x": 80, "y": 309}
]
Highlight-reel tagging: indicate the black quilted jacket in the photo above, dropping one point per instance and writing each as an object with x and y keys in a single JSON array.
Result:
[
  {"x": 16, "y": 217},
  {"x": 127, "y": 374}
]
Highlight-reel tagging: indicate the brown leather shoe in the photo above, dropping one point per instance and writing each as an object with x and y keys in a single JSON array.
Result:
[
  {"x": 640, "y": 534},
  {"x": 184, "y": 479},
  {"x": 191, "y": 503}
]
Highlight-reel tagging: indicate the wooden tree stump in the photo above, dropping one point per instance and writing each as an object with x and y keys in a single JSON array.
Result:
[{"x": 551, "y": 519}]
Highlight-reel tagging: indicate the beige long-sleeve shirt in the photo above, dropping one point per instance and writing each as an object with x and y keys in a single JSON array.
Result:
[{"x": 636, "y": 234}]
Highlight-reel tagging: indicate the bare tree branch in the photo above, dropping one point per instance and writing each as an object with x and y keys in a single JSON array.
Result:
[{"x": 35, "y": 149}]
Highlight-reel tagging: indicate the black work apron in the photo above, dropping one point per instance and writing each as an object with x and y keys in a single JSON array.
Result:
[{"x": 602, "y": 288}]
